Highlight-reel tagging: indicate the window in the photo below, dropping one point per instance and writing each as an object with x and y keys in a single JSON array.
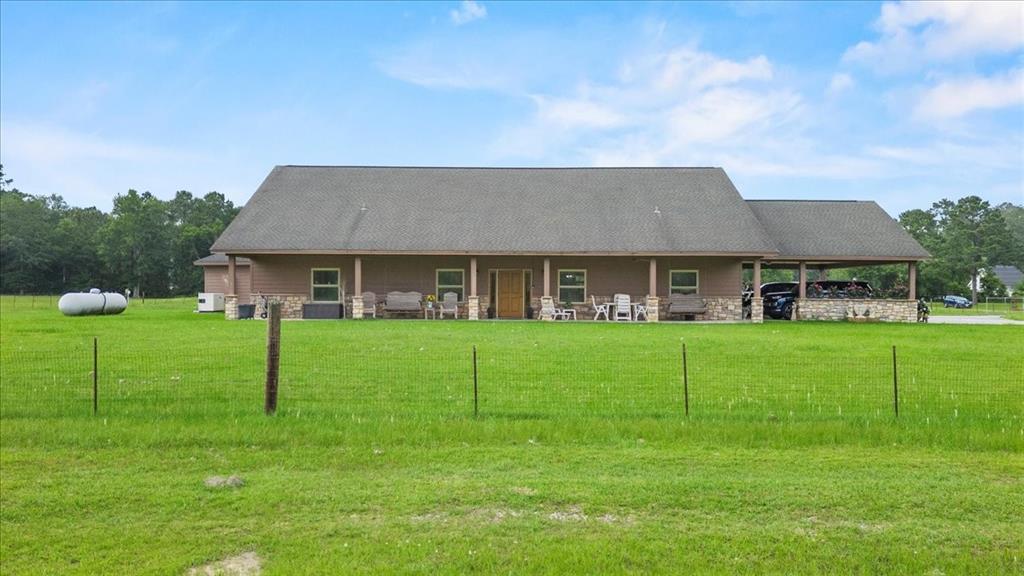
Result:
[
  {"x": 450, "y": 280},
  {"x": 326, "y": 285},
  {"x": 572, "y": 286},
  {"x": 683, "y": 282}
]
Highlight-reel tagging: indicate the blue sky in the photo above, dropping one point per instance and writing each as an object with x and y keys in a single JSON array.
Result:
[{"x": 899, "y": 103}]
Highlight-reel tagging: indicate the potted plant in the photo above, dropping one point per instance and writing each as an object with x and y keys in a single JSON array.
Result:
[{"x": 430, "y": 301}]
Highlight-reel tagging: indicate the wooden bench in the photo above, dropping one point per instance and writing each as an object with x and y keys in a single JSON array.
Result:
[
  {"x": 686, "y": 305},
  {"x": 403, "y": 303}
]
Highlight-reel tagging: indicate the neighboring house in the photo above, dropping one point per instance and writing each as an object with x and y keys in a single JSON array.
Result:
[
  {"x": 504, "y": 239},
  {"x": 215, "y": 275},
  {"x": 1010, "y": 276}
]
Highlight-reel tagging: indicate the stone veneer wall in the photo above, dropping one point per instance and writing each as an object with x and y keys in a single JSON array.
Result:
[
  {"x": 230, "y": 307},
  {"x": 756, "y": 311},
  {"x": 291, "y": 304},
  {"x": 722, "y": 309},
  {"x": 855, "y": 309}
]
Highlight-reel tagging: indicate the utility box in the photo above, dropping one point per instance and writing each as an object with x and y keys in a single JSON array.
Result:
[{"x": 210, "y": 302}]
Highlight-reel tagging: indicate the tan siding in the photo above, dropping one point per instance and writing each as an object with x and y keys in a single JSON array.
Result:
[
  {"x": 718, "y": 276},
  {"x": 286, "y": 274},
  {"x": 215, "y": 279},
  {"x": 606, "y": 275},
  {"x": 242, "y": 275}
]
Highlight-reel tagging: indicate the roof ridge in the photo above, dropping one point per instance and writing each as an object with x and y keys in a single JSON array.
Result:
[
  {"x": 406, "y": 167},
  {"x": 807, "y": 200}
]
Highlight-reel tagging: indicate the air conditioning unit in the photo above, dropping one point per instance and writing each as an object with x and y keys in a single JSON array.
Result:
[{"x": 211, "y": 302}]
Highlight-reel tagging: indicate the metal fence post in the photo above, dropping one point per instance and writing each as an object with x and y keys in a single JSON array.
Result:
[
  {"x": 476, "y": 397},
  {"x": 895, "y": 385},
  {"x": 686, "y": 384},
  {"x": 273, "y": 357},
  {"x": 95, "y": 377}
]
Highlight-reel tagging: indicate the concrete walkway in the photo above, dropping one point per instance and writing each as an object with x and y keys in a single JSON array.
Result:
[{"x": 971, "y": 320}]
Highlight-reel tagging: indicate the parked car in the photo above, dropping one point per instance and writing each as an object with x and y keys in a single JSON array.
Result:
[
  {"x": 779, "y": 297},
  {"x": 951, "y": 301}
]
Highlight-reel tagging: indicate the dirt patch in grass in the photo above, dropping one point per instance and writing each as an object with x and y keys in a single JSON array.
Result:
[
  {"x": 245, "y": 564},
  {"x": 524, "y": 491},
  {"x": 224, "y": 482},
  {"x": 570, "y": 514}
]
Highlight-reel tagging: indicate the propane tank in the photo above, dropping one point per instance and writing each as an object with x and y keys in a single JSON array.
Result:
[{"x": 91, "y": 303}]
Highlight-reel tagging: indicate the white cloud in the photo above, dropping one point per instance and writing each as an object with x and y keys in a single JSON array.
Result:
[
  {"x": 840, "y": 83},
  {"x": 43, "y": 144},
  {"x": 576, "y": 113},
  {"x": 468, "y": 11},
  {"x": 680, "y": 106},
  {"x": 912, "y": 33},
  {"x": 89, "y": 168},
  {"x": 958, "y": 97}
]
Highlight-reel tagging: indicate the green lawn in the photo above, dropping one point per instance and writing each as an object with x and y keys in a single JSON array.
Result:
[{"x": 581, "y": 459}]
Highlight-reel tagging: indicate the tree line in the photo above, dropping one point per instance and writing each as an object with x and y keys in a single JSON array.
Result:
[
  {"x": 144, "y": 243},
  {"x": 149, "y": 245}
]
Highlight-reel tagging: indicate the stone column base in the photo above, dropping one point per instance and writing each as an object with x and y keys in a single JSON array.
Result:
[
  {"x": 473, "y": 308},
  {"x": 231, "y": 307},
  {"x": 757, "y": 311},
  {"x": 357, "y": 307},
  {"x": 652, "y": 308},
  {"x": 547, "y": 304}
]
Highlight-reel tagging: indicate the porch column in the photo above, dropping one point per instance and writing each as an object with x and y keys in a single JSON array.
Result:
[
  {"x": 547, "y": 277},
  {"x": 756, "y": 304},
  {"x": 912, "y": 280},
  {"x": 653, "y": 303},
  {"x": 231, "y": 299},
  {"x": 231, "y": 275},
  {"x": 801, "y": 290},
  {"x": 757, "y": 278},
  {"x": 358, "y": 310},
  {"x": 547, "y": 303},
  {"x": 473, "y": 302},
  {"x": 358, "y": 284}
]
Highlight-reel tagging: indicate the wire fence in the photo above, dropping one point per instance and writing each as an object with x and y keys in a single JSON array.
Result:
[{"x": 667, "y": 380}]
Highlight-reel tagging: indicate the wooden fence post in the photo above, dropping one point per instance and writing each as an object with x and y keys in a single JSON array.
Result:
[
  {"x": 895, "y": 385},
  {"x": 686, "y": 384},
  {"x": 95, "y": 377},
  {"x": 273, "y": 357}
]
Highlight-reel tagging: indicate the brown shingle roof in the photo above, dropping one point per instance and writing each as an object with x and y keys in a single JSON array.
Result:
[
  {"x": 497, "y": 210},
  {"x": 844, "y": 230}
]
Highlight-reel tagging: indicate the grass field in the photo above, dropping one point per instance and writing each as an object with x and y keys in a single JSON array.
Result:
[{"x": 581, "y": 460}]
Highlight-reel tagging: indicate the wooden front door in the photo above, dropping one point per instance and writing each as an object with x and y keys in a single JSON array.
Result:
[{"x": 510, "y": 293}]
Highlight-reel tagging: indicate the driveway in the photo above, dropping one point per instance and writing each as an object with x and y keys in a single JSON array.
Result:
[{"x": 979, "y": 319}]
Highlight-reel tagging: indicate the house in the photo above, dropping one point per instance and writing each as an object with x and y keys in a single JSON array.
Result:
[
  {"x": 505, "y": 240},
  {"x": 1010, "y": 276}
]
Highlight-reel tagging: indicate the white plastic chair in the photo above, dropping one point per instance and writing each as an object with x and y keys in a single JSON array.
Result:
[
  {"x": 369, "y": 304},
  {"x": 449, "y": 304},
  {"x": 639, "y": 310},
  {"x": 623, "y": 308},
  {"x": 599, "y": 309}
]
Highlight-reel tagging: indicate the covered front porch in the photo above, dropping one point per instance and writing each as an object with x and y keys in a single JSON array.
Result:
[{"x": 497, "y": 286}]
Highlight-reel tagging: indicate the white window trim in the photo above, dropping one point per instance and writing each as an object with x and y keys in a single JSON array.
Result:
[
  {"x": 696, "y": 287},
  {"x": 313, "y": 287},
  {"x": 437, "y": 285},
  {"x": 558, "y": 282}
]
